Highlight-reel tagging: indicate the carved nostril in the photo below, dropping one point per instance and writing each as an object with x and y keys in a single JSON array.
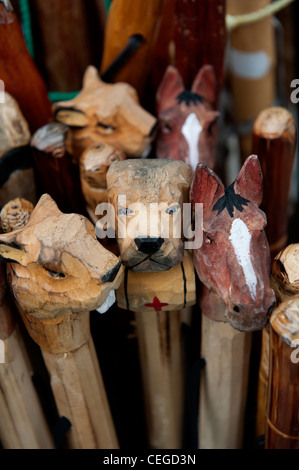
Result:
[
  {"x": 111, "y": 275},
  {"x": 149, "y": 246}
]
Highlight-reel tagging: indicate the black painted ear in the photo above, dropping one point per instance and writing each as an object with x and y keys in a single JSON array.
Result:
[
  {"x": 206, "y": 188},
  {"x": 249, "y": 183}
]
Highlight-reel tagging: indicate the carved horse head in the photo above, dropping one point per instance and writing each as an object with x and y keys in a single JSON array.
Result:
[
  {"x": 148, "y": 197},
  {"x": 105, "y": 113},
  {"x": 57, "y": 264},
  {"x": 186, "y": 118},
  {"x": 234, "y": 259}
]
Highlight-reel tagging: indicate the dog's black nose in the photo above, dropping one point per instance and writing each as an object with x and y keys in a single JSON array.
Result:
[{"x": 149, "y": 246}]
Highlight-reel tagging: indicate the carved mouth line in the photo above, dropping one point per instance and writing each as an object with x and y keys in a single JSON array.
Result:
[{"x": 146, "y": 259}]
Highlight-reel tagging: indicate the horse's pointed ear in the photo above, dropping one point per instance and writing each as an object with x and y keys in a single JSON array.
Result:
[
  {"x": 91, "y": 77},
  {"x": 45, "y": 208},
  {"x": 171, "y": 86},
  {"x": 249, "y": 183},
  {"x": 206, "y": 189},
  {"x": 205, "y": 83}
]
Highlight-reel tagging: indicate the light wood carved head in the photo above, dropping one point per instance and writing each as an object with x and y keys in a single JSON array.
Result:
[
  {"x": 186, "y": 118},
  {"x": 105, "y": 113},
  {"x": 148, "y": 197},
  {"x": 57, "y": 264},
  {"x": 234, "y": 259}
]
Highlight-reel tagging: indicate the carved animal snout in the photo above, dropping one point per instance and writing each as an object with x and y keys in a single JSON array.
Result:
[
  {"x": 149, "y": 246},
  {"x": 111, "y": 275}
]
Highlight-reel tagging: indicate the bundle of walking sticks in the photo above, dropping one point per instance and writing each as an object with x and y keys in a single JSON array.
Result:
[{"x": 149, "y": 254}]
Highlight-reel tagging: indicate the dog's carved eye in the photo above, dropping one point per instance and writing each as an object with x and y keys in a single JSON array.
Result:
[
  {"x": 125, "y": 211},
  {"x": 167, "y": 128},
  {"x": 54, "y": 273},
  {"x": 209, "y": 239},
  {"x": 173, "y": 209}
]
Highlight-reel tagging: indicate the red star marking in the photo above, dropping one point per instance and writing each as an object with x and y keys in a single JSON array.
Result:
[{"x": 157, "y": 305}]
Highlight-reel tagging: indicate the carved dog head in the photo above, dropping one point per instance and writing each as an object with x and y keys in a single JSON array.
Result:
[
  {"x": 186, "y": 118},
  {"x": 57, "y": 264},
  {"x": 148, "y": 196},
  {"x": 104, "y": 113}
]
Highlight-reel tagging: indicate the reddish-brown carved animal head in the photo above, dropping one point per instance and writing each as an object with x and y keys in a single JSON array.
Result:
[
  {"x": 186, "y": 118},
  {"x": 234, "y": 259}
]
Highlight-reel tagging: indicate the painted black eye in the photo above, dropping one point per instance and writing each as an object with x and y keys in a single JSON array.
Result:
[
  {"x": 125, "y": 211},
  {"x": 173, "y": 209},
  {"x": 209, "y": 239},
  {"x": 167, "y": 128},
  {"x": 54, "y": 273}
]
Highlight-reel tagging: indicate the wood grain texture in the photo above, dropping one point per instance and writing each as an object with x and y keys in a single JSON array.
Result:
[
  {"x": 68, "y": 36},
  {"x": 143, "y": 21},
  {"x": 58, "y": 274},
  {"x": 16, "y": 162},
  {"x": 105, "y": 113},
  {"x": 187, "y": 117},
  {"x": 200, "y": 29},
  {"x": 253, "y": 85},
  {"x": 274, "y": 141},
  {"x": 223, "y": 385},
  {"x": 22, "y": 420},
  {"x": 235, "y": 243},
  {"x": 282, "y": 429},
  {"x": 149, "y": 211},
  {"x": 19, "y": 73}
]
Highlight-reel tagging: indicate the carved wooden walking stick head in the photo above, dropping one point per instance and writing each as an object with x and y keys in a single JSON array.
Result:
[
  {"x": 94, "y": 165},
  {"x": 148, "y": 197},
  {"x": 58, "y": 264},
  {"x": 234, "y": 259},
  {"x": 186, "y": 118},
  {"x": 104, "y": 113}
]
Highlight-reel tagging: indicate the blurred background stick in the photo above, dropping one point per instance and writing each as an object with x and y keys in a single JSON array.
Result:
[
  {"x": 19, "y": 73},
  {"x": 251, "y": 69},
  {"x": 282, "y": 428}
]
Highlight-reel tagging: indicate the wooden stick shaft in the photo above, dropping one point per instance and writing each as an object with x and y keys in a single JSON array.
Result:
[
  {"x": 161, "y": 357},
  {"x": 19, "y": 73},
  {"x": 22, "y": 422},
  {"x": 274, "y": 141},
  {"x": 223, "y": 386},
  {"x": 200, "y": 30},
  {"x": 282, "y": 430},
  {"x": 119, "y": 30},
  {"x": 253, "y": 86},
  {"x": 76, "y": 379}
]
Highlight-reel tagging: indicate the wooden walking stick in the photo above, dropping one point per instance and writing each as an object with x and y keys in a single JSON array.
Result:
[
  {"x": 251, "y": 68},
  {"x": 58, "y": 173},
  {"x": 282, "y": 428},
  {"x": 148, "y": 197},
  {"x": 22, "y": 422},
  {"x": 129, "y": 43},
  {"x": 158, "y": 321},
  {"x": 19, "y": 73},
  {"x": 104, "y": 113},
  {"x": 68, "y": 37},
  {"x": 237, "y": 291},
  {"x": 16, "y": 161},
  {"x": 59, "y": 273},
  {"x": 94, "y": 164},
  {"x": 274, "y": 140},
  {"x": 284, "y": 281},
  {"x": 200, "y": 29}
]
